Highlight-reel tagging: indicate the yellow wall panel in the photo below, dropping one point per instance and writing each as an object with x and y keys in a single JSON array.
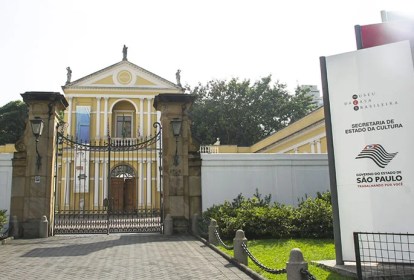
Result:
[
  {"x": 105, "y": 81},
  {"x": 143, "y": 82}
]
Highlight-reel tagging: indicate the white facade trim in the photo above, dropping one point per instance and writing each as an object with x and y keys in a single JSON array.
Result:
[
  {"x": 309, "y": 141},
  {"x": 106, "y": 117},
  {"x": 98, "y": 117},
  {"x": 290, "y": 137},
  {"x": 123, "y": 99},
  {"x": 70, "y": 101}
]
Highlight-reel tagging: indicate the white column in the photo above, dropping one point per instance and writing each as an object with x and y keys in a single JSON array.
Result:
[
  {"x": 70, "y": 101},
  {"x": 149, "y": 180},
  {"x": 98, "y": 117},
  {"x": 312, "y": 146},
  {"x": 67, "y": 182},
  {"x": 106, "y": 117},
  {"x": 138, "y": 132},
  {"x": 140, "y": 184},
  {"x": 141, "y": 116},
  {"x": 318, "y": 146},
  {"x": 96, "y": 188},
  {"x": 105, "y": 179},
  {"x": 149, "y": 117}
]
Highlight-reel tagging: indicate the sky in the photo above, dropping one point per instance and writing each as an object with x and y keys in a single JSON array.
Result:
[{"x": 207, "y": 40}]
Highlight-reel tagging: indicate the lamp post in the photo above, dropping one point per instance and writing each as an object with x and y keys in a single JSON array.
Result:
[
  {"x": 37, "y": 129},
  {"x": 176, "y": 127}
]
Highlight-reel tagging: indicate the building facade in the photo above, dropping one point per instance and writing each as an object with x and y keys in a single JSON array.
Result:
[
  {"x": 108, "y": 154},
  {"x": 305, "y": 136}
]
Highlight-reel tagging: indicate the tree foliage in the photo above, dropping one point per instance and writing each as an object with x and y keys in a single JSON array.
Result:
[
  {"x": 241, "y": 113},
  {"x": 13, "y": 117}
]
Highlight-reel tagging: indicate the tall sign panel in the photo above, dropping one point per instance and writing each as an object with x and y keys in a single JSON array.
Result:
[{"x": 370, "y": 107}]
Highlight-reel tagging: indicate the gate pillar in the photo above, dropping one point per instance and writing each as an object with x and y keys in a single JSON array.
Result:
[
  {"x": 181, "y": 181},
  {"x": 33, "y": 168}
]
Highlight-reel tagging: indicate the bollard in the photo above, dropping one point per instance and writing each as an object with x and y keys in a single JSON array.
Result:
[
  {"x": 194, "y": 224},
  {"x": 295, "y": 264},
  {"x": 14, "y": 227},
  {"x": 168, "y": 225},
  {"x": 44, "y": 228},
  {"x": 239, "y": 253},
  {"x": 212, "y": 238}
]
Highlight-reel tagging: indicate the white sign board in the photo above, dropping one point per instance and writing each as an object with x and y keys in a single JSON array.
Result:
[{"x": 371, "y": 94}]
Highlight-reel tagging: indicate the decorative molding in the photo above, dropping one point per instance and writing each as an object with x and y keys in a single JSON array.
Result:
[
  {"x": 72, "y": 85},
  {"x": 319, "y": 124}
]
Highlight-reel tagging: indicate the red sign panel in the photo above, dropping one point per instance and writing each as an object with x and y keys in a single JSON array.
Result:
[{"x": 384, "y": 33}]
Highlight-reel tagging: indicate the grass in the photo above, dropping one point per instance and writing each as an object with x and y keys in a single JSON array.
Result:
[{"x": 274, "y": 253}]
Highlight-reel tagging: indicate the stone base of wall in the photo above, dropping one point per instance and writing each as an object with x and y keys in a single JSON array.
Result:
[
  {"x": 180, "y": 225},
  {"x": 30, "y": 228}
]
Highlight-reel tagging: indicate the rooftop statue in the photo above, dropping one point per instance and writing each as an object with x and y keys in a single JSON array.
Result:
[
  {"x": 68, "y": 75},
  {"x": 178, "y": 77},
  {"x": 125, "y": 52}
]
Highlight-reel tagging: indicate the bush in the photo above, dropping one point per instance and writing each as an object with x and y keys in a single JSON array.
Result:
[
  {"x": 2, "y": 218},
  {"x": 260, "y": 219},
  {"x": 313, "y": 218}
]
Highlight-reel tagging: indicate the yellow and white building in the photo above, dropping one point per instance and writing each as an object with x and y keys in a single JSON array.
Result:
[
  {"x": 306, "y": 136},
  {"x": 113, "y": 103}
]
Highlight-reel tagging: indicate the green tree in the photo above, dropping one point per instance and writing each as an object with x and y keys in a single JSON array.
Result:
[
  {"x": 241, "y": 113},
  {"x": 13, "y": 117}
]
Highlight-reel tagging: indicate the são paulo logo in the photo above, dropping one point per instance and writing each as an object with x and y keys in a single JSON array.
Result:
[{"x": 376, "y": 153}]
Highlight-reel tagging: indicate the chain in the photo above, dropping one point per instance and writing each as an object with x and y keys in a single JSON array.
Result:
[
  {"x": 265, "y": 268},
  {"x": 307, "y": 274},
  {"x": 221, "y": 241}
]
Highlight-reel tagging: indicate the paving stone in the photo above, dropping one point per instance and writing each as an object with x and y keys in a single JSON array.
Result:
[{"x": 115, "y": 256}]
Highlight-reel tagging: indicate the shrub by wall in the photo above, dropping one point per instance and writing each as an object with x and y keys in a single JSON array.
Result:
[
  {"x": 313, "y": 217},
  {"x": 260, "y": 219},
  {"x": 2, "y": 218}
]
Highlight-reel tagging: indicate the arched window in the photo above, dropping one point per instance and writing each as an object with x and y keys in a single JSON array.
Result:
[
  {"x": 124, "y": 120},
  {"x": 122, "y": 171}
]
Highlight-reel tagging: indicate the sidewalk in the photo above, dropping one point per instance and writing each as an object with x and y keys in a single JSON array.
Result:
[{"x": 115, "y": 256}]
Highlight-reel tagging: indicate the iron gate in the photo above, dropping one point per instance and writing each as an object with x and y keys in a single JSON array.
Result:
[{"x": 111, "y": 185}]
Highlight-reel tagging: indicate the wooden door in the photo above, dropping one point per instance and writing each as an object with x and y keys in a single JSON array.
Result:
[
  {"x": 130, "y": 195},
  {"x": 117, "y": 194}
]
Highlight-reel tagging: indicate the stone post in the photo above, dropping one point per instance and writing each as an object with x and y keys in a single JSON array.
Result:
[
  {"x": 212, "y": 228},
  {"x": 14, "y": 227},
  {"x": 239, "y": 253},
  {"x": 295, "y": 264},
  {"x": 168, "y": 225},
  {"x": 44, "y": 228},
  {"x": 181, "y": 164},
  {"x": 194, "y": 224},
  {"x": 33, "y": 180}
]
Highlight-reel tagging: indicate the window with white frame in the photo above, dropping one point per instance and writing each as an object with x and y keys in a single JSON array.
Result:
[{"x": 123, "y": 124}]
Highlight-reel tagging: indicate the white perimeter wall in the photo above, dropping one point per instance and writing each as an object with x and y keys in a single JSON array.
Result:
[
  {"x": 287, "y": 177},
  {"x": 5, "y": 183}
]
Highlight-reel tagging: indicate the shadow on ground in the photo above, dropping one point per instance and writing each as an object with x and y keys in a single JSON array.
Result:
[{"x": 63, "y": 245}]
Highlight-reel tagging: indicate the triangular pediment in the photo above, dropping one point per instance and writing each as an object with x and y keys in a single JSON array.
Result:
[{"x": 123, "y": 74}]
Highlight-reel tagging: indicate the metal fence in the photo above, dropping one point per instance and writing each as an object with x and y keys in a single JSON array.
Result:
[{"x": 384, "y": 255}]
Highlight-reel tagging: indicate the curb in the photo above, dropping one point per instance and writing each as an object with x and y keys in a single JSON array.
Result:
[{"x": 242, "y": 267}]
